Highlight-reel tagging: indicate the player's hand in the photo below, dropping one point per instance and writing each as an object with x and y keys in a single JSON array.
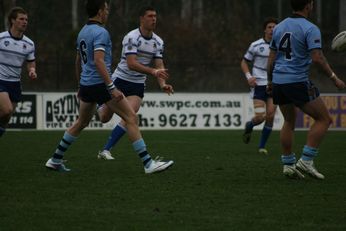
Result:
[
  {"x": 339, "y": 83},
  {"x": 269, "y": 88},
  {"x": 168, "y": 89},
  {"x": 32, "y": 73},
  {"x": 161, "y": 73},
  {"x": 252, "y": 82},
  {"x": 117, "y": 95}
]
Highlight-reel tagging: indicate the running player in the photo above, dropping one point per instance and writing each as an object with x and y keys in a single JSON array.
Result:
[
  {"x": 141, "y": 47},
  {"x": 15, "y": 49},
  {"x": 264, "y": 109},
  {"x": 93, "y": 63}
]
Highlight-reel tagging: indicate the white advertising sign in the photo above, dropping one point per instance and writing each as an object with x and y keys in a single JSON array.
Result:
[
  {"x": 57, "y": 111},
  {"x": 192, "y": 111},
  {"x": 60, "y": 110}
]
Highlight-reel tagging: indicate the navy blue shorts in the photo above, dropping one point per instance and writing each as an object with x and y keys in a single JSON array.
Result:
[
  {"x": 13, "y": 89},
  {"x": 129, "y": 88},
  {"x": 97, "y": 93},
  {"x": 260, "y": 92},
  {"x": 294, "y": 93}
]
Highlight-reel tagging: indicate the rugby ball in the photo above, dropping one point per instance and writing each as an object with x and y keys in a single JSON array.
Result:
[{"x": 339, "y": 42}]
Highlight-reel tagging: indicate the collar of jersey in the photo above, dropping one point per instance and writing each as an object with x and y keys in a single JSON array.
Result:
[
  {"x": 15, "y": 38},
  {"x": 146, "y": 38},
  {"x": 94, "y": 22},
  {"x": 297, "y": 16}
]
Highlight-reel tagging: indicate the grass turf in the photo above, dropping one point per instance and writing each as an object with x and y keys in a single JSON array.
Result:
[{"x": 216, "y": 183}]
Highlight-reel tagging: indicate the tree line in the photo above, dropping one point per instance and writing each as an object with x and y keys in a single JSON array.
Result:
[{"x": 204, "y": 39}]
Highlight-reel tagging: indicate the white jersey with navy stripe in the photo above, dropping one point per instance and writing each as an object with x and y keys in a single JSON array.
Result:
[
  {"x": 258, "y": 53},
  {"x": 146, "y": 50},
  {"x": 13, "y": 53}
]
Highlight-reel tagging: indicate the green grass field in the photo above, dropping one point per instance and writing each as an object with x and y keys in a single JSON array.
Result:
[{"x": 217, "y": 183}]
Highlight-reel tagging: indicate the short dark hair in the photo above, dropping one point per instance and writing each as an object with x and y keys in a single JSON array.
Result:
[
  {"x": 269, "y": 20},
  {"x": 299, "y": 4},
  {"x": 13, "y": 14},
  {"x": 144, "y": 9},
  {"x": 93, "y": 6}
]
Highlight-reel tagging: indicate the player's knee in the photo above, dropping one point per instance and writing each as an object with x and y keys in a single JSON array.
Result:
[
  {"x": 81, "y": 124},
  {"x": 6, "y": 112},
  {"x": 104, "y": 114},
  {"x": 260, "y": 114},
  {"x": 258, "y": 119},
  {"x": 131, "y": 118},
  {"x": 327, "y": 120},
  {"x": 104, "y": 118}
]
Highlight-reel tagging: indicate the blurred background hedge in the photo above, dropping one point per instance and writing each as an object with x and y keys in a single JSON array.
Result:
[{"x": 204, "y": 39}]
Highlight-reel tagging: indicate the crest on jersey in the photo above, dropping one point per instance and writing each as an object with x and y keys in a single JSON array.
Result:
[
  {"x": 154, "y": 45},
  {"x": 7, "y": 43},
  {"x": 139, "y": 43},
  {"x": 129, "y": 45},
  {"x": 261, "y": 49},
  {"x": 24, "y": 46}
]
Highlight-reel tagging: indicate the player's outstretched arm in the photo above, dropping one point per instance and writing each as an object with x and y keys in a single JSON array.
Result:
[{"x": 318, "y": 58}]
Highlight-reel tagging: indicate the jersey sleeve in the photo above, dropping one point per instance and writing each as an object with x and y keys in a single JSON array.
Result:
[
  {"x": 130, "y": 45},
  {"x": 101, "y": 40},
  {"x": 313, "y": 38},
  {"x": 31, "y": 55},
  {"x": 249, "y": 55},
  {"x": 159, "y": 52}
]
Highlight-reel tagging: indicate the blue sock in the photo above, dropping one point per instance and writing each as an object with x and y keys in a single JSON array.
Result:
[
  {"x": 288, "y": 160},
  {"x": 141, "y": 149},
  {"x": 309, "y": 153},
  {"x": 115, "y": 136},
  {"x": 265, "y": 135},
  {"x": 65, "y": 142},
  {"x": 2, "y": 131}
]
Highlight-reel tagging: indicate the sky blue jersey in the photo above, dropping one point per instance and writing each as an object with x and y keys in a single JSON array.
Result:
[
  {"x": 93, "y": 37},
  {"x": 293, "y": 39}
]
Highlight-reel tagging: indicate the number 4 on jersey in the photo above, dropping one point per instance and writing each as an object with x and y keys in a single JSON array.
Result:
[{"x": 285, "y": 45}]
